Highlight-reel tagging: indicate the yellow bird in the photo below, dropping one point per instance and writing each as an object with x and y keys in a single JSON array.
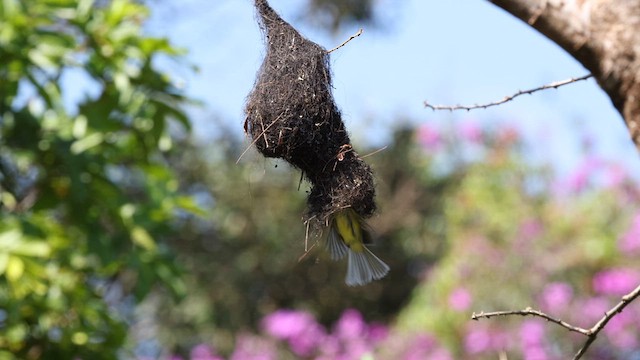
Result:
[{"x": 347, "y": 236}]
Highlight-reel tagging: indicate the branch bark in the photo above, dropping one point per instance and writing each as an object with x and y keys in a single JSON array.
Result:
[
  {"x": 591, "y": 333},
  {"x": 603, "y": 35}
]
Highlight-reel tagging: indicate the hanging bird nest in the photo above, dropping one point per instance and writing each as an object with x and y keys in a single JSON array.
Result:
[{"x": 291, "y": 114}]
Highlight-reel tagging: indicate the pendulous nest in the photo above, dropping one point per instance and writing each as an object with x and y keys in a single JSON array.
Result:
[{"x": 291, "y": 114}]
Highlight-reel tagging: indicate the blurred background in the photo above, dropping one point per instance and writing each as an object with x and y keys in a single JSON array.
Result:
[{"x": 135, "y": 226}]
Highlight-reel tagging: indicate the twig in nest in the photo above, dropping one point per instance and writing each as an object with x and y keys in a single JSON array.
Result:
[
  {"x": 374, "y": 152},
  {"x": 255, "y": 140},
  {"x": 591, "y": 333},
  {"x": 306, "y": 240},
  {"x": 553, "y": 85},
  {"x": 346, "y": 41}
]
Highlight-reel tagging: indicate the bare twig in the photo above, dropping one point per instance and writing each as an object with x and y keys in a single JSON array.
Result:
[
  {"x": 553, "y": 85},
  {"x": 530, "y": 312},
  {"x": 591, "y": 333},
  {"x": 346, "y": 41}
]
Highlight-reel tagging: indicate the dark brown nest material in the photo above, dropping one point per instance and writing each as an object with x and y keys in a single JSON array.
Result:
[{"x": 291, "y": 114}]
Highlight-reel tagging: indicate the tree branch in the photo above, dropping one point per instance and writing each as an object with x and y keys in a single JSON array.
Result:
[
  {"x": 530, "y": 312},
  {"x": 597, "y": 34},
  {"x": 553, "y": 85},
  {"x": 591, "y": 333}
]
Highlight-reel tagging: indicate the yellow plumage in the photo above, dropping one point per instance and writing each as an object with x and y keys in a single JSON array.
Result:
[{"x": 347, "y": 236}]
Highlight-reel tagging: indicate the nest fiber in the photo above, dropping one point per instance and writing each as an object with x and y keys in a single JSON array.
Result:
[{"x": 291, "y": 114}]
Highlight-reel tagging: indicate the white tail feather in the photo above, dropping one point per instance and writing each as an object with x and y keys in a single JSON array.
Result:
[
  {"x": 364, "y": 267},
  {"x": 335, "y": 246}
]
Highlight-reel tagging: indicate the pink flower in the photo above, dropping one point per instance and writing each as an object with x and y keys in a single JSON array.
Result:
[
  {"x": 530, "y": 229},
  {"x": 350, "y": 325},
  {"x": 579, "y": 180},
  {"x": 420, "y": 347},
  {"x": 285, "y": 324},
  {"x": 477, "y": 341},
  {"x": 615, "y": 175},
  {"x": 556, "y": 296},
  {"x": 616, "y": 281},
  {"x": 470, "y": 132},
  {"x": 429, "y": 137},
  {"x": 535, "y": 353},
  {"x": 203, "y": 352},
  {"x": 622, "y": 329},
  {"x": 378, "y": 332},
  {"x": 460, "y": 299},
  {"x": 440, "y": 354},
  {"x": 630, "y": 241},
  {"x": 593, "y": 309},
  {"x": 251, "y": 347},
  {"x": 531, "y": 333},
  {"x": 299, "y": 328},
  {"x": 307, "y": 341}
]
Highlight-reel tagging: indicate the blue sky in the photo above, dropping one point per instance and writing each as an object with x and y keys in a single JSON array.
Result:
[{"x": 447, "y": 52}]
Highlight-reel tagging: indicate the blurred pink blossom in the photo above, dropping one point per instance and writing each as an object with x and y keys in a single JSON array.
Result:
[
  {"x": 350, "y": 325},
  {"x": 429, "y": 137},
  {"x": 460, "y": 299},
  {"x": 616, "y": 281},
  {"x": 630, "y": 241},
  {"x": 530, "y": 228},
  {"x": 615, "y": 175},
  {"x": 477, "y": 341},
  {"x": 420, "y": 347},
  {"x": 532, "y": 339},
  {"x": 622, "y": 329},
  {"x": 378, "y": 332},
  {"x": 531, "y": 333},
  {"x": 579, "y": 179},
  {"x": 593, "y": 309},
  {"x": 556, "y": 296},
  {"x": 203, "y": 352},
  {"x": 535, "y": 353},
  {"x": 470, "y": 132},
  {"x": 284, "y": 324},
  {"x": 627, "y": 339},
  {"x": 440, "y": 354},
  {"x": 307, "y": 341},
  {"x": 299, "y": 328}
]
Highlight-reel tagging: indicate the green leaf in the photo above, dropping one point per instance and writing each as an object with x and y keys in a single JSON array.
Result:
[
  {"x": 4, "y": 262},
  {"x": 188, "y": 204},
  {"x": 10, "y": 240},
  {"x": 33, "y": 249},
  {"x": 86, "y": 143},
  {"x": 15, "y": 268},
  {"x": 5, "y": 355},
  {"x": 141, "y": 237}
]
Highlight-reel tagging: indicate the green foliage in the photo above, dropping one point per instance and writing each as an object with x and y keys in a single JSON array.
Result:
[{"x": 87, "y": 200}]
